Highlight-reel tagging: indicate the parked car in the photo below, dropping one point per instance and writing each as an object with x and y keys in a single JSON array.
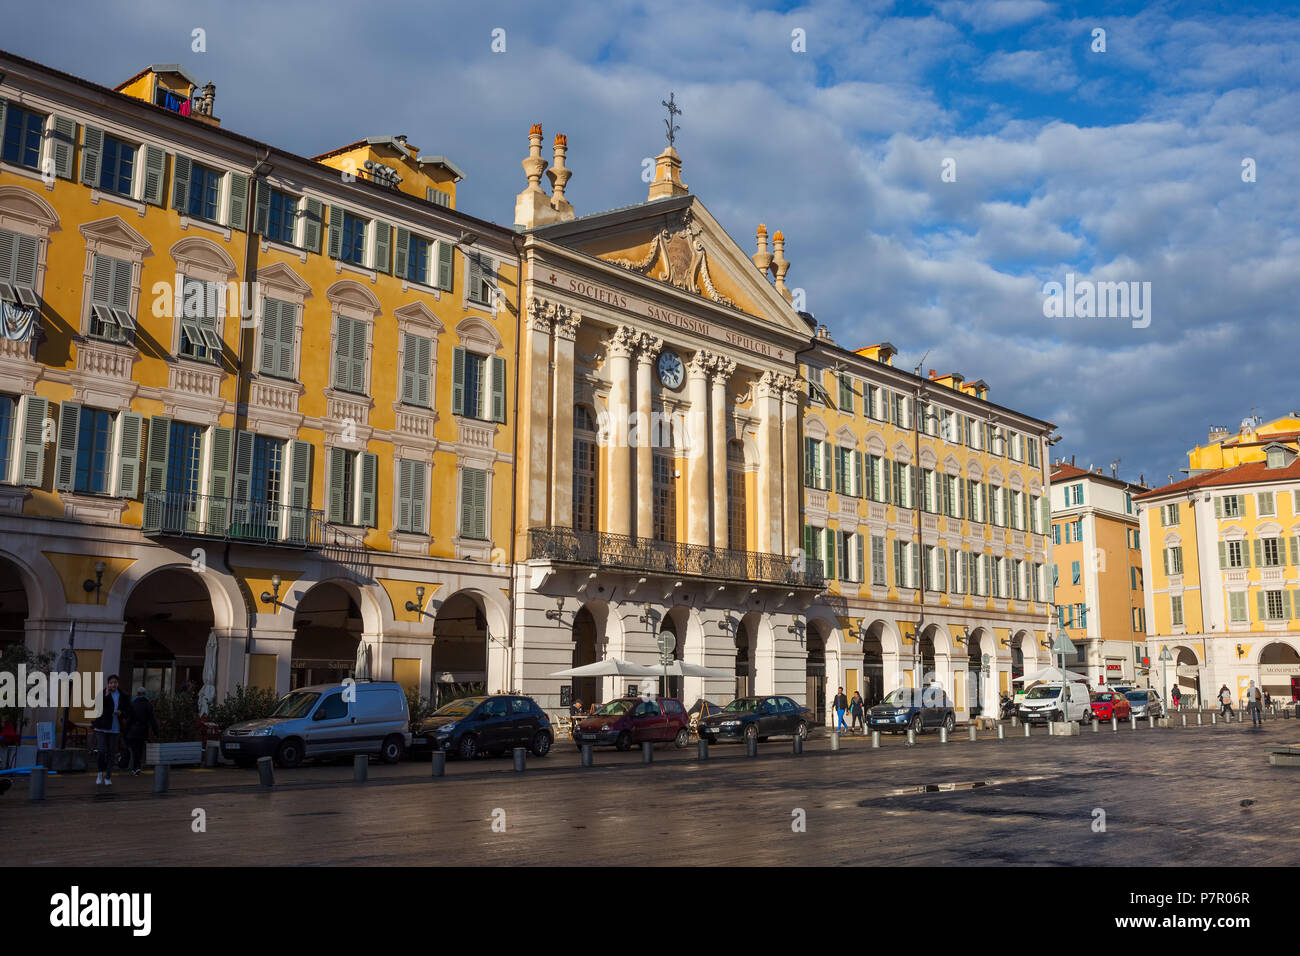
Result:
[
  {"x": 631, "y": 720},
  {"x": 908, "y": 709},
  {"x": 325, "y": 720},
  {"x": 1121, "y": 688},
  {"x": 1108, "y": 703},
  {"x": 492, "y": 725},
  {"x": 757, "y": 718},
  {"x": 1057, "y": 700},
  {"x": 1146, "y": 703}
]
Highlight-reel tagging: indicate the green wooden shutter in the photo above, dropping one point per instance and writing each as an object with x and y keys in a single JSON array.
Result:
[
  {"x": 369, "y": 488},
  {"x": 1259, "y": 553},
  {"x": 1218, "y": 506},
  {"x": 423, "y": 377},
  {"x": 242, "y": 478},
  {"x": 182, "y": 166},
  {"x": 446, "y": 265},
  {"x": 405, "y": 493},
  {"x": 128, "y": 464},
  {"x": 808, "y": 548},
  {"x": 1223, "y": 555},
  {"x": 1295, "y": 550},
  {"x": 101, "y": 280},
  {"x": 941, "y": 566},
  {"x": 857, "y": 475},
  {"x": 458, "y": 381},
  {"x": 338, "y": 464},
  {"x": 402, "y": 250},
  {"x": 335, "y": 248},
  {"x": 287, "y": 331},
  {"x": 383, "y": 245},
  {"x": 299, "y": 490},
  {"x": 270, "y": 336},
  {"x": 839, "y": 471},
  {"x": 92, "y": 148},
  {"x": 886, "y": 471},
  {"x": 122, "y": 282},
  {"x": 155, "y": 470},
  {"x": 155, "y": 172},
  {"x": 917, "y": 580},
  {"x": 410, "y": 361},
  {"x": 498, "y": 388},
  {"x": 342, "y": 352},
  {"x": 65, "y": 456},
  {"x": 219, "y": 491},
  {"x": 312, "y": 225},
  {"x": 357, "y": 351},
  {"x": 238, "y": 215},
  {"x": 1261, "y": 604},
  {"x": 860, "y": 548},
  {"x": 23, "y": 268},
  {"x": 809, "y": 462},
  {"x": 64, "y": 144},
  {"x": 31, "y": 463},
  {"x": 262, "y": 207}
]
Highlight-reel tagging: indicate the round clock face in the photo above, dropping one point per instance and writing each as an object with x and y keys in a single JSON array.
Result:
[{"x": 671, "y": 369}]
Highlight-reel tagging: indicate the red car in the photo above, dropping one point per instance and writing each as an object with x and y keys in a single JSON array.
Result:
[
  {"x": 631, "y": 720},
  {"x": 1108, "y": 703}
]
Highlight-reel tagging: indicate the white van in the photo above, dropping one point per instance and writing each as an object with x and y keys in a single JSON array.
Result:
[{"x": 1054, "y": 700}]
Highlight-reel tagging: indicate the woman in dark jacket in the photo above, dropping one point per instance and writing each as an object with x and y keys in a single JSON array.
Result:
[
  {"x": 142, "y": 720},
  {"x": 108, "y": 726},
  {"x": 856, "y": 709}
]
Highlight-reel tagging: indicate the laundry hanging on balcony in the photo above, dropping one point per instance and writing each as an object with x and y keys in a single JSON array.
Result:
[{"x": 17, "y": 323}]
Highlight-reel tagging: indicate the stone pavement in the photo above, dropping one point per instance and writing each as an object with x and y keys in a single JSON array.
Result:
[{"x": 1201, "y": 796}]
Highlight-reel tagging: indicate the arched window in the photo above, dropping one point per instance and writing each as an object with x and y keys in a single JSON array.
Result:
[
  {"x": 584, "y": 469},
  {"x": 736, "y": 536}
]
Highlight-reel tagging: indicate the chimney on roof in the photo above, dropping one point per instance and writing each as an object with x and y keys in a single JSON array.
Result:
[
  {"x": 1071, "y": 459},
  {"x": 559, "y": 175},
  {"x": 532, "y": 205},
  {"x": 762, "y": 258},
  {"x": 933, "y": 375},
  {"x": 780, "y": 265}
]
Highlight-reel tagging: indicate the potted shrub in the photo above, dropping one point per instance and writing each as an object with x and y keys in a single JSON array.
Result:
[
  {"x": 178, "y": 740},
  {"x": 246, "y": 703}
]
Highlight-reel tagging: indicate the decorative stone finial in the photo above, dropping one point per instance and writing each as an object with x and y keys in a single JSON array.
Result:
[
  {"x": 780, "y": 265},
  {"x": 668, "y": 176},
  {"x": 532, "y": 205},
  {"x": 559, "y": 175},
  {"x": 762, "y": 258}
]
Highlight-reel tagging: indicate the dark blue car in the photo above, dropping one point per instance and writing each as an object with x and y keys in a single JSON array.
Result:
[
  {"x": 492, "y": 725},
  {"x": 907, "y": 709}
]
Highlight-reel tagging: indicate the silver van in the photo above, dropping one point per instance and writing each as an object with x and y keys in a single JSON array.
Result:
[{"x": 325, "y": 720}]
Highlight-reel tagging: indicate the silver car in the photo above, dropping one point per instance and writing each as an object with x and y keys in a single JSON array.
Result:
[
  {"x": 1145, "y": 703},
  {"x": 325, "y": 720}
]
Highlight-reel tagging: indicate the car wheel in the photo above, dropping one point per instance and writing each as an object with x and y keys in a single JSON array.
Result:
[
  {"x": 392, "y": 750},
  {"x": 949, "y": 723},
  {"x": 802, "y": 731},
  {"x": 751, "y": 732},
  {"x": 623, "y": 742},
  {"x": 916, "y": 725},
  {"x": 541, "y": 744},
  {"x": 682, "y": 739},
  {"x": 290, "y": 753},
  {"x": 468, "y": 748}
]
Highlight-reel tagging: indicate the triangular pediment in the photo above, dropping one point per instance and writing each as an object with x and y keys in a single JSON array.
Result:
[
  {"x": 114, "y": 231},
  {"x": 678, "y": 242},
  {"x": 280, "y": 276}
]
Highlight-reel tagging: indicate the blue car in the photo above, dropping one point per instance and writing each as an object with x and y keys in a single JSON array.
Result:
[{"x": 908, "y": 709}]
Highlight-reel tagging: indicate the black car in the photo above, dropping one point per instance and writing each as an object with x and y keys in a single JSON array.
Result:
[
  {"x": 906, "y": 709},
  {"x": 757, "y": 718},
  {"x": 492, "y": 725}
]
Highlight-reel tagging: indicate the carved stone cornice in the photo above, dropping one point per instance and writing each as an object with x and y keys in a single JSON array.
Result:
[
  {"x": 541, "y": 315},
  {"x": 649, "y": 348},
  {"x": 723, "y": 368},
  {"x": 623, "y": 342},
  {"x": 701, "y": 364},
  {"x": 767, "y": 385},
  {"x": 566, "y": 322}
]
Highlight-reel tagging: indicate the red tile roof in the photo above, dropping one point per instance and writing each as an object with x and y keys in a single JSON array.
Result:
[
  {"x": 1252, "y": 472},
  {"x": 1262, "y": 439},
  {"x": 1065, "y": 471}
]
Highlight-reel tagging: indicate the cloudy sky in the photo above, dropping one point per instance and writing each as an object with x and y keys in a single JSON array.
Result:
[{"x": 1115, "y": 165}]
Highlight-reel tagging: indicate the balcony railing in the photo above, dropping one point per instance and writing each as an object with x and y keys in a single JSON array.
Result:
[
  {"x": 671, "y": 557},
  {"x": 185, "y": 515}
]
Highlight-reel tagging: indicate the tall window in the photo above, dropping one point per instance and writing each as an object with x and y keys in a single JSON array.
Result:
[
  {"x": 198, "y": 315},
  {"x": 8, "y": 406},
  {"x": 94, "y": 451},
  {"x": 1176, "y": 610},
  {"x": 110, "y": 299},
  {"x": 282, "y": 214},
  {"x": 22, "y": 137},
  {"x": 268, "y": 476},
  {"x": 18, "y": 255},
  {"x": 205, "y": 187},
  {"x": 736, "y": 518},
  {"x": 480, "y": 276},
  {"x": 184, "y": 455},
  {"x": 350, "y": 355},
  {"x": 417, "y": 260},
  {"x": 279, "y": 330},
  {"x": 354, "y": 239},
  {"x": 584, "y": 469},
  {"x": 478, "y": 388},
  {"x": 473, "y": 504},
  {"x": 116, "y": 166},
  {"x": 665, "y": 499}
]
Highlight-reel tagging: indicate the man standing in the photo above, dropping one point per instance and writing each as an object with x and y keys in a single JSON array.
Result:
[
  {"x": 841, "y": 704},
  {"x": 108, "y": 729},
  {"x": 142, "y": 720},
  {"x": 1253, "y": 701}
]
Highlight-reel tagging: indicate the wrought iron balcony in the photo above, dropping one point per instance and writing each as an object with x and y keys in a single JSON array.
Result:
[
  {"x": 183, "y": 515},
  {"x": 671, "y": 557}
]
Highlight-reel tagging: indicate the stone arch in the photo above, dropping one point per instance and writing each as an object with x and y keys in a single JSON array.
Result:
[
  {"x": 875, "y": 444},
  {"x": 229, "y": 609},
  {"x": 995, "y": 475},
  {"x": 815, "y": 428},
  {"x": 41, "y": 583},
  {"x": 1015, "y": 481},
  {"x": 845, "y": 437},
  {"x": 168, "y": 617},
  {"x": 902, "y": 454},
  {"x": 1172, "y": 539},
  {"x": 951, "y": 466},
  {"x": 478, "y": 335},
  {"x": 351, "y": 298},
  {"x": 22, "y": 207},
  {"x": 928, "y": 457},
  {"x": 203, "y": 259},
  {"x": 974, "y": 470}
]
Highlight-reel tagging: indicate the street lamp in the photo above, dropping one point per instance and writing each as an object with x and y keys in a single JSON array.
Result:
[{"x": 1165, "y": 658}]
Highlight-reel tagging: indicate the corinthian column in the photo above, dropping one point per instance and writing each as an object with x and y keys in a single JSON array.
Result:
[
  {"x": 566, "y": 330},
  {"x": 722, "y": 370},
  {"x": 697, "y": 450},
  {"x": 644, "y": 439},
  {"x": 767, "y": 509},
  {"x": 619, "y": 488}
]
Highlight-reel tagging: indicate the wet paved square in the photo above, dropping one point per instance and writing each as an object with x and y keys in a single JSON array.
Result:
[{"x": 1199, "y": 796}]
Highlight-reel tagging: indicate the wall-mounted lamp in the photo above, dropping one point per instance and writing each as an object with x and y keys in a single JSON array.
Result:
[
  {"x": 417, "y": 606},
  {"x": 556, "y": 613},
  {"x": 1241, "y": 651},
  {"x": 272, "y": 597},
  {"x": 89, "y": 585},
  {"x": 648, "y": 616}
]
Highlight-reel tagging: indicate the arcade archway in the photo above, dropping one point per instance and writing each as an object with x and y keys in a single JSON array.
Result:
[
  {"x": 326, "y": 632},
  {"x": 460, "y": 649},
  {"x": 168, "y": 618}
]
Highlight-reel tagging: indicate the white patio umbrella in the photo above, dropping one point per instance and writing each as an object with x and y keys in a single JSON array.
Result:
[
  {"x": 610, "y": 667},
  {"x": 209, "y": 692},
  {"x": 685, "y": 669},
  {"x": 362, "y": 670},
  {"x": 1051, "y": 674}
]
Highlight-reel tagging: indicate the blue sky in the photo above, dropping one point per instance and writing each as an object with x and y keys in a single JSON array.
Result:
[{"x": 1122, "y": 165}]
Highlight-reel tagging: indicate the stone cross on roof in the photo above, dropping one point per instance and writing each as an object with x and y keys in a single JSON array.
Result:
[{"x": 673, "y": 110}]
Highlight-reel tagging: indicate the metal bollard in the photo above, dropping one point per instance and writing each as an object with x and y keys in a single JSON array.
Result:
[
  {"x": 1133, "y": 722},
  {"x": 647, "y": 752},
  {"x": 974, "y": 735},
  {"x": 265, "y": 771},
  {"x": 751, "y": 746},
  {"x": 1214, "y": 718},
  {"x": 835, "y": 740},
  {"x": 1114, "y": 724},
  {"x": 1051, "y": 731},
  {"x": 1026, "y": 729},
  {"x": 438, "y": 764},
  {"x": 875, "y": 740},
  {"x": 1199, "y": 721},
  {"x": 911, "y": 736},
  {"x": 212, "y": 754},
  {"x": 943, "y": 735},
  {"x": 1151, "y": 722},
  {"x": 798, "y": 744},
  {"x": 160, "y": 773},
  {"x": 702, "y": 751},
  {"x": 1014, "y": 720},
  {"x": 1096, "y": 726},
  {"x": 1002, "y": 734},
  {"x": 36, "y": 785},
  {"x": 521, "y": 759},
  {"x": 360, "y": 768},
  {"x": 1184, "y": 720}
]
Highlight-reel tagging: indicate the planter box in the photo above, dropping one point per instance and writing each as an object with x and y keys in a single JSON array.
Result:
[
  {"x": 188, "y": 751},
  {"x": 1065, "y": 728},
  {"x": 1285, "y": 758}
]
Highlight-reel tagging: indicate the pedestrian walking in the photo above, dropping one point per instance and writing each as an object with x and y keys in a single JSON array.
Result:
[
  {"x": 141, "y": 720},
  {"x": 856, "y": 708},
  {"x": 1268, "y": 700},
  {"x": 1177, "y": 696},
  {"x": 841, "y": 704},
  {"x": 1225, "y": 702},
  {"x": 108, "y": 729},
  {"x": 1253, "y": 701}
]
